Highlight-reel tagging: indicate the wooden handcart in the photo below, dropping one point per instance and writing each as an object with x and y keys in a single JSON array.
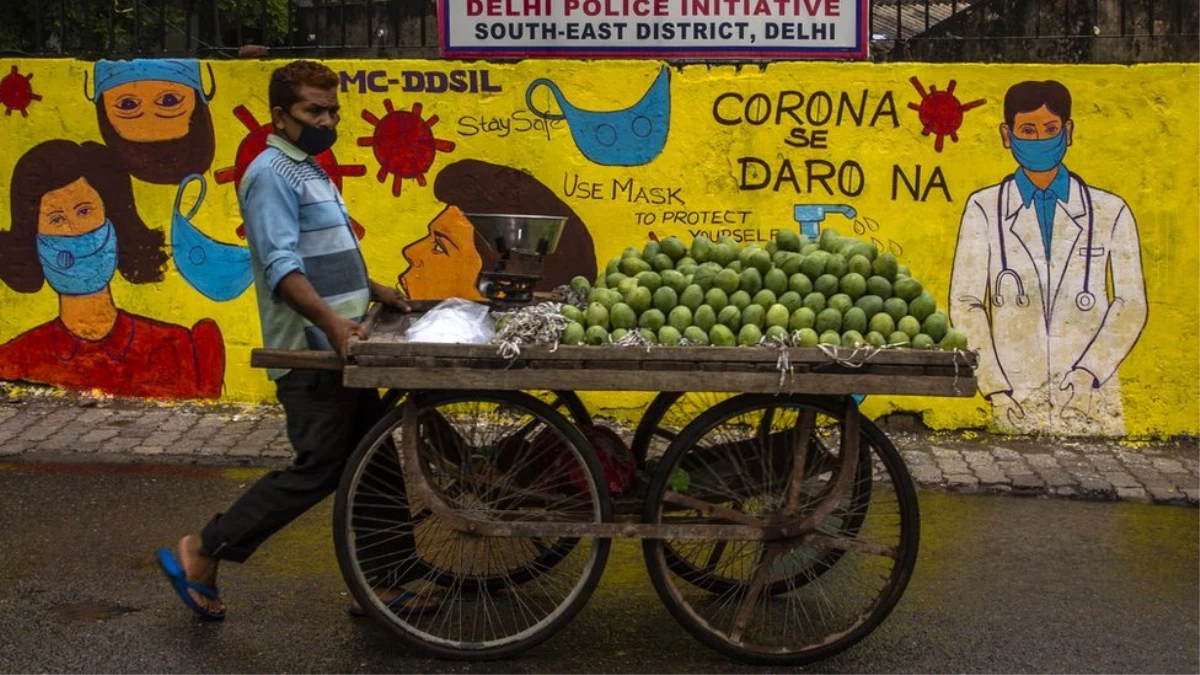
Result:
[{"x": 778, "y": 524}]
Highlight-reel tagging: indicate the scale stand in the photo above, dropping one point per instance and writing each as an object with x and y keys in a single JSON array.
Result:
[{"x": 523, "y": 243}]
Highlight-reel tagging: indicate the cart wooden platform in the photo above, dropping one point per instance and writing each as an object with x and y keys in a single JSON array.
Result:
[{"x": 778, "y": 524}]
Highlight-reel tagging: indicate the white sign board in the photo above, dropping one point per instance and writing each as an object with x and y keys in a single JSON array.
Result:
[{"x": 666, "y": 29}]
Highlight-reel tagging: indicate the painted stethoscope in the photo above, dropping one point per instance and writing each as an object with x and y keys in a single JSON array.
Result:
[
  {"x": 1085, "y": 299},
  {"x": 629, "y": 137}
]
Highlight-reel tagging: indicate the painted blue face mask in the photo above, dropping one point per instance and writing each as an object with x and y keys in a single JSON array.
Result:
[
  {"x": 630, "y": 137},
  {"x": 1039, "y": 155},
  {"x": 80, "y": 264},
  {"x": 219, "y": 271}
]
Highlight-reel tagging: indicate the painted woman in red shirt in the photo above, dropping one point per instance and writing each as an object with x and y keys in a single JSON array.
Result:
[{"x": 74, "y": 225}]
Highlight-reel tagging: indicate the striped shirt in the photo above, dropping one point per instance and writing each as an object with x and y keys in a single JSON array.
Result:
[{"x": 296, "y": 221}]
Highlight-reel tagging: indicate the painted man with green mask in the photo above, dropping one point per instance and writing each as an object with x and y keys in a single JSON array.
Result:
[{"x": 1048, "y": 280}]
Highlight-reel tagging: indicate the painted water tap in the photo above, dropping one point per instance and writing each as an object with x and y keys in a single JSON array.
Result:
[{"x": 810, "y": 216}]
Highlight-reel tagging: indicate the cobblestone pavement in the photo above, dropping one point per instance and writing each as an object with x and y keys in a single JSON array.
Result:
[{"x": 59, "y": 427}]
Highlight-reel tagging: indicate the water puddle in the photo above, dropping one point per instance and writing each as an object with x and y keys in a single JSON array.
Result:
[{"x": 90, "y": 611}]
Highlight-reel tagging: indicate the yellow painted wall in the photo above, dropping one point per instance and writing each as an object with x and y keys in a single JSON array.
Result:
[{"x": 1135, "y": 136}]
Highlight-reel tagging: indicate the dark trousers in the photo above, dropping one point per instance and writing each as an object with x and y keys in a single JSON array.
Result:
[{"x": 325, "y": 422}]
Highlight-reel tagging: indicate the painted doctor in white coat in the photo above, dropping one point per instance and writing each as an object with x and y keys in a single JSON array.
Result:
[{"x": 1047, "y": 280}]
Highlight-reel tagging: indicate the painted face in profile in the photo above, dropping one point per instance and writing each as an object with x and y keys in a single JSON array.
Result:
[
  {"x": 71, "y": 210},
  {"x": 445, "y": 262},
  {"x": 148, "y": 111}
]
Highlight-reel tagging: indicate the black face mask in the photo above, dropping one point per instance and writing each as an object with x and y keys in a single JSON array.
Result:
[{"x": 313, "y": 140}]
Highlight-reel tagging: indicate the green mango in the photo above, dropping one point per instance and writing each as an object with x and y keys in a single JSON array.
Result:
[
  {"x": 597, "y": 315},
  {"x": 877, "y": 285},
  {"x": 909, "y": 326},
  {"x": 764, "y": 299},
  {"x": 730, "y": 317},
  {"x": 652, "y": 320},
  {"x": 573, "y": 334},
  {"x": 692, "y": 297},
  {"x": 882, "y": 323},
  {"x": 705, "y": 318},
  {"x": 673, "y": 247},
  {"x": 802, "y": 318},
  {"x": 923, "y": 306},
  {"x": 829, "y": 319},
  {"x": 716, "y": 299},
  {"x": 696, "y": 335},
  {"x": 852, "y": 338},
  {"x": 631, "y": 266},
  {"x": 668, "y": 335},
  {"x": 650, "y": 280},
  {"x": 855, "y": 320},
  {"x": 679, "y": 318},
  {"x": 778, "y": 315},
  {"x": 750, "y": 281},
  {"x": 860, "y": 265},
  {"x": 639, "y": 299},
  {"x": 806, "y": 337},
  {"x": 936, "y": 326},
  {"x": 791, "y": 300},
  {"x": 665, "y": 299},
  {"x": 622, "y": 316},
  {"x": 854, "y": 285},
  {"x": 789, "y": 240},
  {"x": 754, "y": 315},
  {"x": 800, "y": 284},
  {"x": 722, "y": 336},
  {"x": 954, "y": 339},
  {"x": 596, "y": 335},
  {"x": 675, "y": 280},
  {"x": 749, "y": 335},
  {"x": 662, "y": 262},
  {"x": 776, "y": 281},
  {"x": 727, "y": 280},
  {"x": 885, "y": 266}
]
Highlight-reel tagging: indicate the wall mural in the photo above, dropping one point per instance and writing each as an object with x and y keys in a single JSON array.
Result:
[
  {"x": 1010, "y": 191},
  {"x": 1061, "y": 299}
]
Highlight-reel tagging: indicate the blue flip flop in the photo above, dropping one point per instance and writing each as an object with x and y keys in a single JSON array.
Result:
[
  {"x": 179, "y": 581},
  {"x": 403, "y": 597}
]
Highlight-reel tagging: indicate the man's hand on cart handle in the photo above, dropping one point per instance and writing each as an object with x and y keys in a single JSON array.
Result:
[
  {"x": 391, "y": 297},
  {"x": 341, "y": 331}
]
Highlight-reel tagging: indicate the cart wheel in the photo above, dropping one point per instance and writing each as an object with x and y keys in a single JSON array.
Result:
[
  {"x": 660, "y": 424},
  {"x": 566, "y": 402},
  {"x": 491, "y": 456},
  {"x": 549, "y": 552},
  {"x": 790, "y": 605}
]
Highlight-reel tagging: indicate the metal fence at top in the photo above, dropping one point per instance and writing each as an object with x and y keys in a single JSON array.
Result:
[{"x": 935, "y": 30}]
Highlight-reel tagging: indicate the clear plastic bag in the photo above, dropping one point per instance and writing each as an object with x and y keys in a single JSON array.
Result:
[{"x": 455, "y": 321}]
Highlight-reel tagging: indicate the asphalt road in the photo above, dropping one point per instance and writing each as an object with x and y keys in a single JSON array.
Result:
[{"x": 1004, "y": 584}]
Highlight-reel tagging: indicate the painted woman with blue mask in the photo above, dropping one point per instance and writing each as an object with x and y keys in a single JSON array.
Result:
[
  {"x": 1048, "y": 279},
  {"x": 74, "y": 228}
]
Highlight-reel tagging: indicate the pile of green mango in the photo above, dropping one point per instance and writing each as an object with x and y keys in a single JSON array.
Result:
[{"x": 836, "y": 291}]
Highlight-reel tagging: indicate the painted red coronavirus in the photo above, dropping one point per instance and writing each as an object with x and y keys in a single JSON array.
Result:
[
  {"x": 16, "y": 92},
  {"x": 940, "y": 112},
  {"x": 403, "y": 143}
]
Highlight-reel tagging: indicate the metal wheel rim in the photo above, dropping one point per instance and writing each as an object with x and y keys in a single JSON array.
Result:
[{"x": 580, "y": 584}]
